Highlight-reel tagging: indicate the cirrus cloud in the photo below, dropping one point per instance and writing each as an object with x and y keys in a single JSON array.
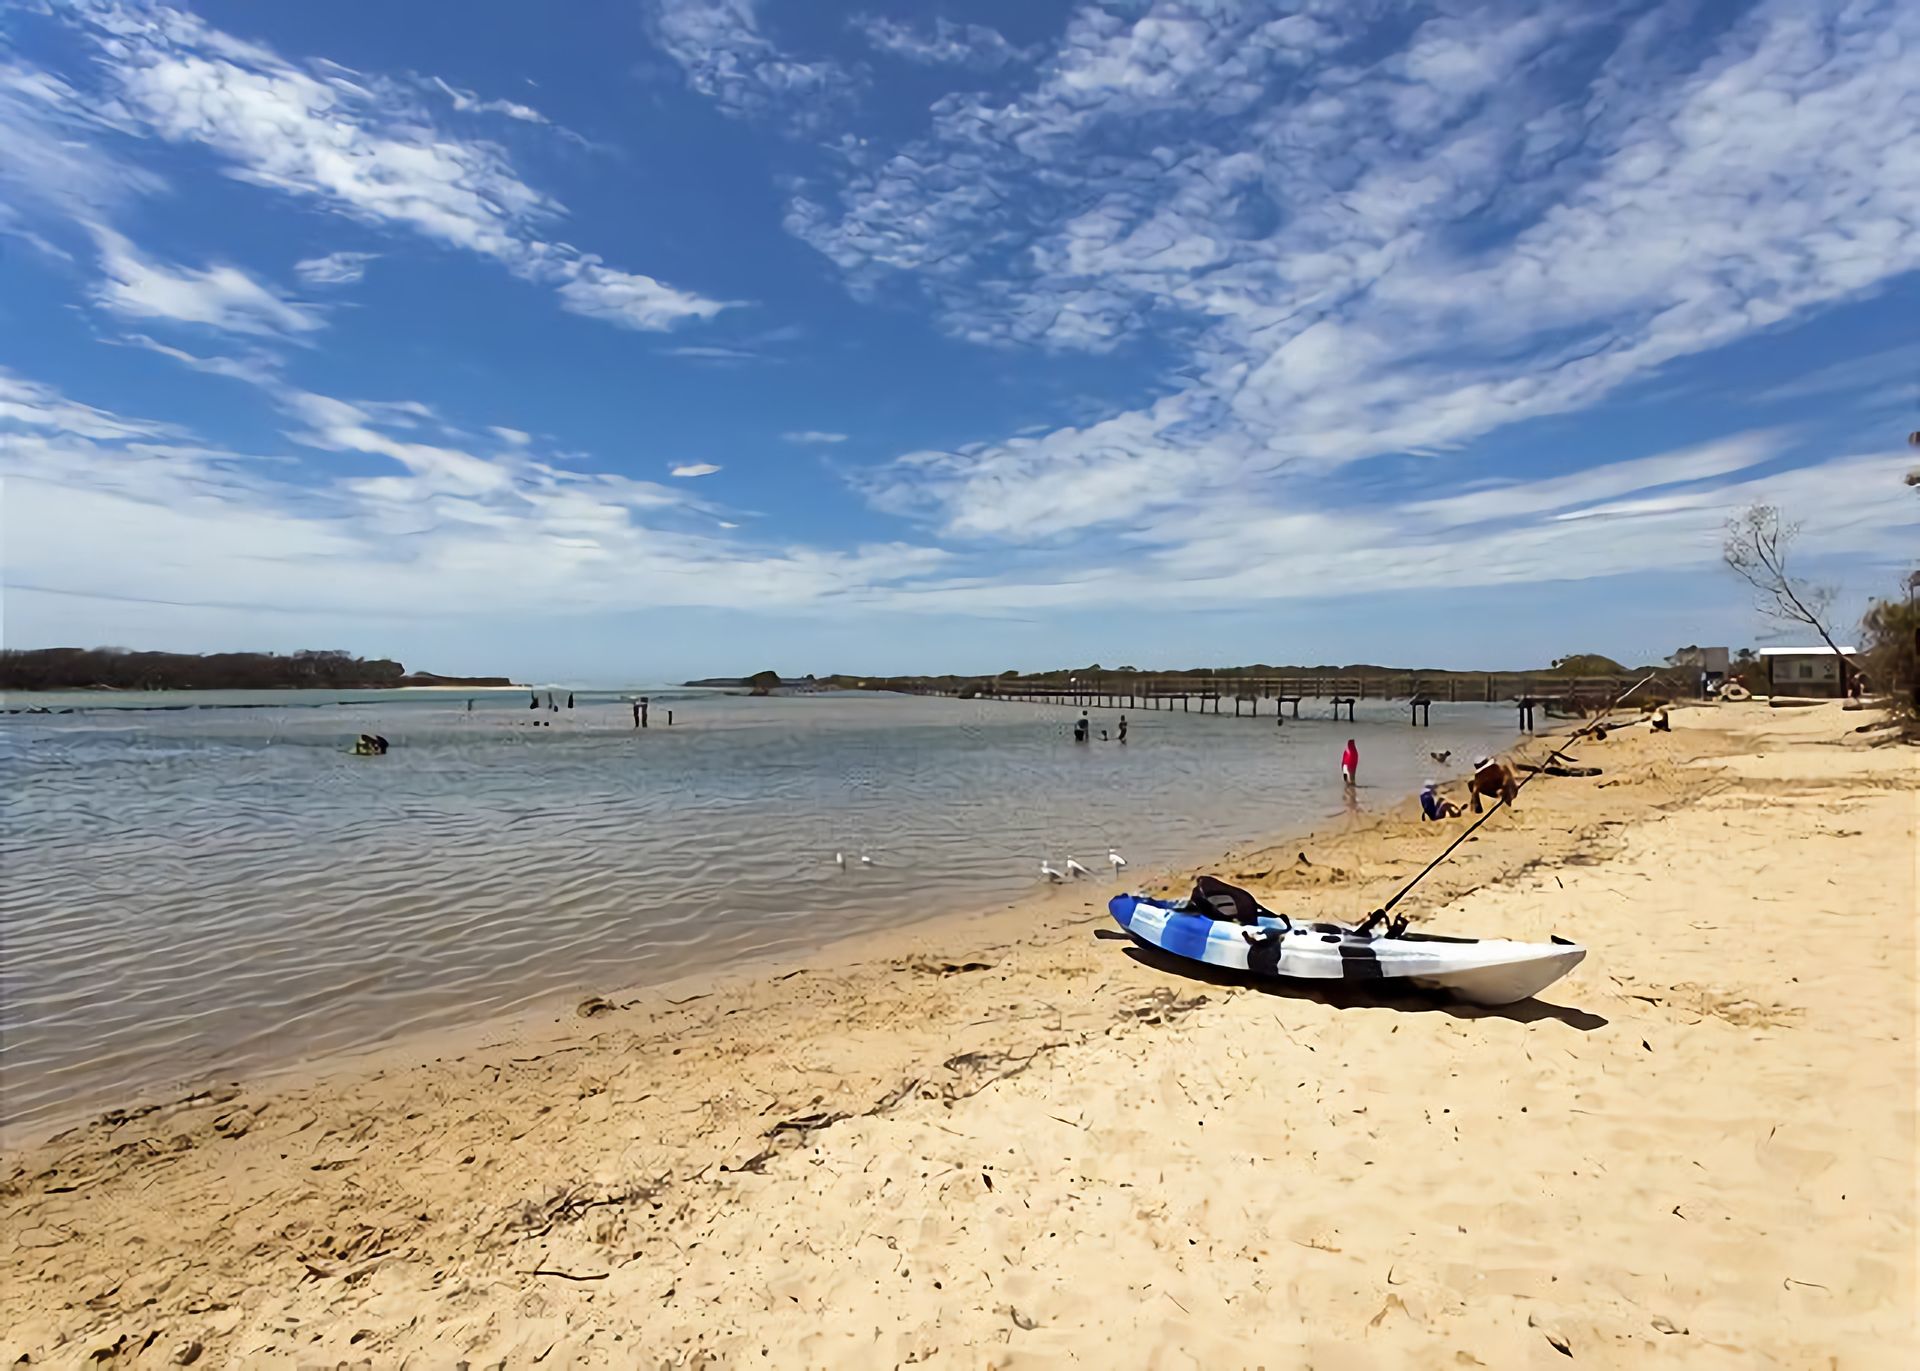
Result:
[
  {"x": 1350, "y": 247},
  {"x": 726, "y": 56},
  {"x": 220, "y": 297},
  {"x": 439, "y": 531},
  {"x": 942, "y": 44},
  {"x": 362, "y": 147},
  {"x": 334, "y": 269}
]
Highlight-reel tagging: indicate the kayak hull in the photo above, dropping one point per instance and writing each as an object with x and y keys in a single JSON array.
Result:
[{"x": 1481, "y": 971}]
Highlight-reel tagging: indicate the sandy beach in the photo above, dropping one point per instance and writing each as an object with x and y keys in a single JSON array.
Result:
[{"x": 1018, "y": 1140}]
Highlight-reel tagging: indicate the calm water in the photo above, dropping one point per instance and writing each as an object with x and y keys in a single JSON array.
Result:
[{"x": 222, "y": 888}]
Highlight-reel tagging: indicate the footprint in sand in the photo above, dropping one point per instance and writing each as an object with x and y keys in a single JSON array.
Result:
[
  {"x": 1795, "y": 1163},
  {"x": 1736, "y": 1009}
]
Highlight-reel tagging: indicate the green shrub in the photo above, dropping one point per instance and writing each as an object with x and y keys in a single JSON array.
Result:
[{"x": 1890, "y": 656}]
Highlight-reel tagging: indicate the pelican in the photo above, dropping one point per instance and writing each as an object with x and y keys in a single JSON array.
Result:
[
  {"x": 1115, "y": 860},
  {"x": 1076, "y": 870},
  {"x": 1046, "y": 869}
]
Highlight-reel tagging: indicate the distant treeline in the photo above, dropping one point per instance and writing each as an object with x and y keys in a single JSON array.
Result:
[
  {"x": 1579, "y": 665},
  {"x": 112, "y": 668},
  {"x": 761, "y": 682}
]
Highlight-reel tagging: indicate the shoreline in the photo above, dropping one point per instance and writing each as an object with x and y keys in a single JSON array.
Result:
[
  {"x": 543, "y": 1012},
  {"x": 552, "y": 1012},
  {"x": 379, "y": 1190}
]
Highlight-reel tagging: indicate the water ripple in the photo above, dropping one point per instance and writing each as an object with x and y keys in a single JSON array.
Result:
[{"x": 226, "y": 889}]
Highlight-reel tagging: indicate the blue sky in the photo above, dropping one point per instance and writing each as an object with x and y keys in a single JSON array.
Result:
[{"x": 619, "y": 341}]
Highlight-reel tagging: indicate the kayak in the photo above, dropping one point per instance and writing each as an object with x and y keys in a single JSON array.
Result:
[{"x": 1478, "y": 970}]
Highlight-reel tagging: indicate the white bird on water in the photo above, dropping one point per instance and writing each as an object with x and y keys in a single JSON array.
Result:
[
  {"x": 1115, "y": 860},
  {"x": 1046, "y": 869},
  {"x": 865, "y": 860},
  {"x": 1075, "y": 869}
]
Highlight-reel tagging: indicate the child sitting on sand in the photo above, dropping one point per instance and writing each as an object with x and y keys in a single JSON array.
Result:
[{"x": 1435, "y": 806}]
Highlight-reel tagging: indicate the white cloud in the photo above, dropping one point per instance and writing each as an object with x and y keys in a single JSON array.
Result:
[
  {"x": 1043, "y": 487},
  {"x": 1878, "y": 371},
  {"x": 1227, "y": 555},
  {"x": 50, "y": 161},
  {"x": 725, "y": 56},
  {"x": 258, "y": 369},
  {"x": 1355, "y": 250},
  {"x": 112, "y": 507},
  {"x": 469, "y": 103},
  {"x": 221, "y": 297},
  {"x": 361, "y": 147},
  {"x": 1345, "y": 252},
  {"x": 356, "y": 149},
  {"x": 627, "y": 298},
  {"x": 711, "y": 354},
  {"x": 945, "y": 44},
  {"x": 695, "y": 469},
  {"x": 30, "y": 404},
  {"x": 107, "y": 507},
  {"x": 1599, "y": 483},
  {"x": 334, "y": 269}
]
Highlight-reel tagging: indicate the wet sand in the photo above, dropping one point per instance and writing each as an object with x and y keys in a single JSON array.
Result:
[{"x": 1018, "y": 1140}]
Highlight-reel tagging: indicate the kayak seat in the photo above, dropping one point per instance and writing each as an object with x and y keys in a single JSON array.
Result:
[{"x": 1215, "y": 899}]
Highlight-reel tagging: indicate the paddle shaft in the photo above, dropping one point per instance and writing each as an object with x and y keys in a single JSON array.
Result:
[{"x": 1494, "y": 808}]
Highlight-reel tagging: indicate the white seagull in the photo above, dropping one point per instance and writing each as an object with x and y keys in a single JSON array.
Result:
[
  {"x": 865, "y": 860},
  {"x": 1075, "y": 869},
  {"x": 1115, "y": 860},
  {"x": 840, "y": 860},
  {"x": 1046, "y": 869}
]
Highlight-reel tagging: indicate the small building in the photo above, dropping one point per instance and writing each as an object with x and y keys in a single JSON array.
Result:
[
  {"x": 1708, "y": 665},
  {"x": 1807, "y": 671}
]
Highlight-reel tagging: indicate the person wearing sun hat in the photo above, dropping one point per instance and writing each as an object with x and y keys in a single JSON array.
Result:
[
  {"x": 1434, "y": 806},
  {"x": 1492, "y": 779}
]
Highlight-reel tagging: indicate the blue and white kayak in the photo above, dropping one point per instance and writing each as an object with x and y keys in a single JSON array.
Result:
[{"x": 1479, "y": 970}]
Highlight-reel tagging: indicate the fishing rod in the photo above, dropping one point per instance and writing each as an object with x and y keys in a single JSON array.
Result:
[{"x": 1379, "y": 915}]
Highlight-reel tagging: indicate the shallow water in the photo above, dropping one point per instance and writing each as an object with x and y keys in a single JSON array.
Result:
[{"x": 219, "y": 889}]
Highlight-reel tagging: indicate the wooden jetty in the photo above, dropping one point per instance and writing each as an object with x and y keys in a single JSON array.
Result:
[{"x": 1286, "y": 694}]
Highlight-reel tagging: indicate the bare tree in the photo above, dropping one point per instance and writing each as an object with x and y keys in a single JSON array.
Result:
[{"x": 1756, "y": 548}]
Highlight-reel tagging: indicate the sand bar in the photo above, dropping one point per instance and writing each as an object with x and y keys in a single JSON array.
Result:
[{"x": 1016, "y": 1140}]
